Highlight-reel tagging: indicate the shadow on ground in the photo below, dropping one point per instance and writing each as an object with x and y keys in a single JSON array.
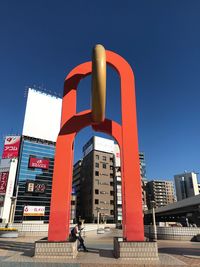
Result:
[
  {"x": 26, "y": 248},
  {"x": 106, "y": 253},
  {"x": 180, "y": 251}
]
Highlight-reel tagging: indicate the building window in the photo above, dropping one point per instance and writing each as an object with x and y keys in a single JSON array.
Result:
[
  {"x": 190, "y": 182},
  {"x": 97, "y": 181},
  {"x": 96, "y": 164},
  {"x": 104, "y": 158},
  {"x": 111, "y": 183},
  {"x": 104, "y": 165},
  {"x": 97, "y": 157},
  {"x": 96, "y": 173},
  {"x": 111, "y": 175},
  {"x": 112, "y": 193},
  {"x": 111, "y": 167},
  {"x": 96, "y": 201},
  {"x": 111, "y": 202},
  {"x": 112, "y": 212},
  {"x": 96, "y": 191}
]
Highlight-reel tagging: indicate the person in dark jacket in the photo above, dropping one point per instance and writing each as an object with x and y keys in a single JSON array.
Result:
[{"x": 76, "y": 234}]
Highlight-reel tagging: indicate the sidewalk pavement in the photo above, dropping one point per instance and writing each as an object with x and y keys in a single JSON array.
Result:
[{"x": 19, "y": 252}]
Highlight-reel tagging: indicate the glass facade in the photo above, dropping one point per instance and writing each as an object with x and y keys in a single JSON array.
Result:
[{"x": 34, "y": 178}]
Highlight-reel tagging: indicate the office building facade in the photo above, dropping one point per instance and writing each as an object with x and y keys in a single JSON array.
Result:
[
  {"x": 186, "y": 185},
  {"x": 34, "y": 179},
  {"x": 98, "y": 180},
  {"x": 143, "y": 179},
  {"x": 31, "y": 162}
]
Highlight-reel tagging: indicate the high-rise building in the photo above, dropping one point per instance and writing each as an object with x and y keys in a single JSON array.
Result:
[
  {"x": 26, "y": 181},
  {"x": 143, "y": 179},
  {"x": 142, "y": 166},
  {"x": 161, "y": 192},
  {"x": 77, "y": 186},
  {"x": 97, "y": 178},
  {"x": 36, "y": 162},
  {"x": 97, "y": 185},
  {"x": 186, "y": 185},
  {"x": 34, "y": 180}
]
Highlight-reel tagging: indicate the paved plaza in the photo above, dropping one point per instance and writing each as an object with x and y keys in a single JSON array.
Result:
[{"x": 20, "y": 251}]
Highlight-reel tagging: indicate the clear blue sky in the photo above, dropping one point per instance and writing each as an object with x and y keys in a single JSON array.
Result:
[{"x": 41, "y": 41}]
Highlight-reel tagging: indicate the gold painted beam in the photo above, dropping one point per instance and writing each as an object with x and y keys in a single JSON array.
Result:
[{"x": 98, "y": 83}]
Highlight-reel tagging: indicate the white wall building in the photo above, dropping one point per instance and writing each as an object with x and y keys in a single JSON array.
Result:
[{"x": 186, "y": 185}]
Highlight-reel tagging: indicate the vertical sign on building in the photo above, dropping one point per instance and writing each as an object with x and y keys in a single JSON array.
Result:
[
  {"x": 3, "y": 182},
  {"x": 11, "y": 147}
]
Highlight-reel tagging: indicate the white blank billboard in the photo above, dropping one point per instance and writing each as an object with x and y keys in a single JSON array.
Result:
[{"x": 42, "y": 116}]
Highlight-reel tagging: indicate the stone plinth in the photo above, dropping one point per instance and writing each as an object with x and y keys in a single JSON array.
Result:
[
  {"x": 140, "y": 251},
  {"x": 46, "y": 249}
]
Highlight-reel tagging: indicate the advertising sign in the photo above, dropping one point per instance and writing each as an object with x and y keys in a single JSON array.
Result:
[
  {"x": 30, "y": 187},
  {"x": 3, "y": 182},
  {"x": 42, "y": 115},
  {"x": 34, "y": 211},
  {"x": 35, "y": 187},
  {"x": 117, "y": 156},
  {"x": 40, "y": 188},
  {"x": 38, "y": 163},
  {"x": 11, "y": 147},
  {"x": 103, "y": 144}
]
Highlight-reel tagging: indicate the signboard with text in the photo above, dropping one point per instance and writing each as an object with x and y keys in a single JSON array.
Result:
[
  {"x": 38, "y": 163},
  {"x": 35, "y": 187},
  {"x": 34, "y": 211},
  {"x": 3, "y": 182},
  {"x": 11, "y": 147}
]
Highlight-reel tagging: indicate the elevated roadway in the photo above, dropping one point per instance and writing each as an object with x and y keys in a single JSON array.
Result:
[{"x": 184, "y": 211}]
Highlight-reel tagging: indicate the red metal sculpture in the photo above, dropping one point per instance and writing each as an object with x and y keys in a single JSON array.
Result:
[{"x": 125, "y": 135}]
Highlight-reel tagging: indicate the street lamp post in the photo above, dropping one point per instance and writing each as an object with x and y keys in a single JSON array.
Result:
[
  {"x": 154, "y": 220},
  {"x": 13, "y": 207},
  {"x": 12, "y": 210},
  {"x": 98, "y": 209}
]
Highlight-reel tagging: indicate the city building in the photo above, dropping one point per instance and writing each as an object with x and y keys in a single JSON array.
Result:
[
  {"x": 142, "y": 166},
  {"x": 36, "y": 162},
  {"x": 161, "y": 192},
  {"x": 97, "y": 179},
  {"x": 143, "y": 179},
  {"x": 8, "y": 171},
  {"x": 186, "y": 185},
  {"x": 77, "y": 186},
  {"x": 26, "y": 177},
  {"x": 34, "y": 179}
]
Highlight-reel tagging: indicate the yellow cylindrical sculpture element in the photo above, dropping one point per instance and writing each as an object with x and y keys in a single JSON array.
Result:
[{"x": 98, "y": 83}]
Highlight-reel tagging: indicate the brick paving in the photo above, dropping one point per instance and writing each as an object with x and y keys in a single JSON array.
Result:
[{"x": 19, "y": 252}]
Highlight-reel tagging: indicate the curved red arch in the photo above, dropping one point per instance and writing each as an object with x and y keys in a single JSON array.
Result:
[{"x": 125, "y": 135}]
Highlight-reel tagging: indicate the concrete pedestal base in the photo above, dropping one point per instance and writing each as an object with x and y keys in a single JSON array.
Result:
[
  {"x": 45, "y": 249},
  {"x": 140, "y": 251}
]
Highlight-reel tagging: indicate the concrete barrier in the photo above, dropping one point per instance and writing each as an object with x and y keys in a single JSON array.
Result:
[
  {"x": 172, "y": 233},
  {"x": 41, "y": 229}
]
